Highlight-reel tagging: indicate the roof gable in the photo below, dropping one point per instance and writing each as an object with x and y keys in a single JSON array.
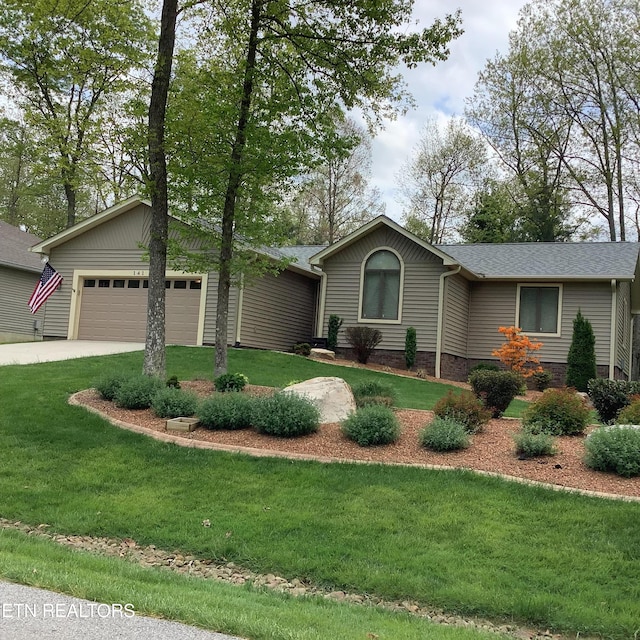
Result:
[{"x": 14, "y": 248}]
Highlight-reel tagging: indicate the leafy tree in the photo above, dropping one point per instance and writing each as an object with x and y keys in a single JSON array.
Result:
[
  {"x": 334, "y": 199},
  {"x": 438, "y": 180},
  {"x": 62, "y": 59},
  {"x": 516, "y": 352},
  {"x": 581, "y": 360},
  {"x": 287, "y": 72}
]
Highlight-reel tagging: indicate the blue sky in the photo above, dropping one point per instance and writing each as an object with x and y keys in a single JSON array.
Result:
[{"x": 440, "y": 91}]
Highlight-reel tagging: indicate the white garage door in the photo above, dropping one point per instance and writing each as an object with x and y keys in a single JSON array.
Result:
[{"x": 116, "y": 309}]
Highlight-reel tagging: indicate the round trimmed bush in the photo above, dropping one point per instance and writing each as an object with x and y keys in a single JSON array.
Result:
[
  {"x": 286, "y": 415},
  {"x": 558, "y": 412},
  {"x": 615, "y": 448},
  {"x": 227, "y": 411},
  {"x": 465, "y": 408},
  {"x": 109, "y": 383},
  {"x": 496, "y": 389},
  {"x": 137, "y": 392},
  {"x": 374, "y": 392},
  {"x": 631, "y": 413},
  {"x": 531, "y": 445},
  {"x": 444, "y": 434},
  {"x": 372, "y": 425},
  {"x": 173, "y": 402}
]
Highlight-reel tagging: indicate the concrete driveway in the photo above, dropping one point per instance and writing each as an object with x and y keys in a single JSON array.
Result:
[{"x": 32, "y": 352}]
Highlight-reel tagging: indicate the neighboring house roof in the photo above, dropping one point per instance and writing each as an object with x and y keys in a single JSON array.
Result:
[
  {"x": 14, "y": 249},
  {"x": 549, "y": 260}
]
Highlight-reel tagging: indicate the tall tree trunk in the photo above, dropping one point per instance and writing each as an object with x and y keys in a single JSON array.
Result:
[
  {"x": 233, "y": 185},
  {"x": 154, "y": 350},
  {"x": 70, "y": 194}
]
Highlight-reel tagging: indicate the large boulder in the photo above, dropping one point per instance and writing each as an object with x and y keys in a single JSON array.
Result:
[{"x": 332, "y": 396}]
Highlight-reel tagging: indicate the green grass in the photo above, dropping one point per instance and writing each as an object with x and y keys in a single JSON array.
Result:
[
  {"x": 466, "y": 543},
  {"x": 244, "y": 611}
]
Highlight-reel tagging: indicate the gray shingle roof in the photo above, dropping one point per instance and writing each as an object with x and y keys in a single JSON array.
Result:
[
  {"x": 14, "y": 248},
  {"x": 548, "y": 260},
  {"x": 301, "y": 254}
]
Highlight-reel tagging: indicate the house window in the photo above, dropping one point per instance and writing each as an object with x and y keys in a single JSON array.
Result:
[
  {"x": 133, "y": 284},
  {"x": 539, "y": 309},
  {"x": 118, "y": 284},
  {"x": 90, "y": 283},
  {"x": 104, "y": 284},
  {"x": 179, "y": 284},
  {"x": 381, "y": 286}
]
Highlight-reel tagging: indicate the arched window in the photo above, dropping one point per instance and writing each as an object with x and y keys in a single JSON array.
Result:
[{"x": 381, "y": 286}]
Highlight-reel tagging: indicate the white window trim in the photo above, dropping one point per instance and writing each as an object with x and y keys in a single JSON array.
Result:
[
  {"x": 400, "y": 292},
  {"x": 554, "y": 285}
]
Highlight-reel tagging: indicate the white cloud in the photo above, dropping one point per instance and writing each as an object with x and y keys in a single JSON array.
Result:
[{"x": 440, "y": 91}]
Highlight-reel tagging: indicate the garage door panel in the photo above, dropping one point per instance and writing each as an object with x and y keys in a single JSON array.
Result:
[{"x": 116, "y": 313}]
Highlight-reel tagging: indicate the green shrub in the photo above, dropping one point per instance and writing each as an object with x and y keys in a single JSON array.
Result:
[
  {"x": 530, "y": 444},
  {"x": 610, "y": 396},
  {"x": 496, "y": 389},
  {"x": 374, "y": 392},
  {"x": 302, "y": 349},
  {"x": 581, "y": 360},
  {"x": 615, "y": 448},
  {"x": 542, "y": 379},
  {"x": 484, "y": 366},
  {"x": 558, "y": 412},
  {"x": 286, "y": 415},
  {"x": 410, "y": 347},
  {"x": 227, "y": 411},
  {"x": 444, "y": 434},
  {"x": 173, "y": 382},
  {"x": 137, "y": 392},
  {"x": 173, "y": 402},
  {"x": 465, "y": 408},
  {"x": 335, "y": 322},
  {"x": 372, "y": 425},
  {"x": 631, "y": 413},
  {"x": 231, "y": 382},
  {"x": 109, "y": 383},
  {"x": 363, "y": 340}
]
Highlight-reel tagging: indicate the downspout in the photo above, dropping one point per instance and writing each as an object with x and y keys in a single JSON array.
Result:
[
  {"x": 239, "y": 311},
  {"x": 321, "y": 305},
  {"x": 631, "y": 328},
  {"x": 613, "y": 334},
  {"x": 439, "y": 336}
]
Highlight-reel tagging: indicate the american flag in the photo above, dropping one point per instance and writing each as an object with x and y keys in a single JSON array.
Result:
[{"x": 49, "y": 281}]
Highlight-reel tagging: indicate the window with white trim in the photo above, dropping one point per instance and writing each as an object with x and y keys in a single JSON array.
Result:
[
  {"x": 539, "y": 309},
  {"x": 381, "y": 286}
]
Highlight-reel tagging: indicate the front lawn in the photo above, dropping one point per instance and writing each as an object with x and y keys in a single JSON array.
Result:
[{"x": 469, "y": 544}]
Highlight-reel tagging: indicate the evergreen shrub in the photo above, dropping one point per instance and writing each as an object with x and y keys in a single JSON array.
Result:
[
  {"x": 558, "y": 412},
  {"x": 444, "y": 434},
  {"x": 631, "y": 413},
  {"x": 463, "y": 407},
  {"x": 496, "y": 389},
  {"x": 173, "y": 402},
  {"x": 374, "y": 392},
  {"x": 335, "y": 322},
  {"x": 410, "y": 347},
  {"x": 615, "y": 448},
  {"x": 228, "y": 411},
  {"x": 609, "y": 397},
  {"x": 363, "y": 340},
  {"x": 302, "y": 349},
  {"x": 137, "y": 392},
  {"x": 542, "y": 379},
  {"x": 286, "y": 415},
  {"x": 230, "y": 382},
  {"x": 581, "y": 360},
  {"x": 372, "y": 425}
]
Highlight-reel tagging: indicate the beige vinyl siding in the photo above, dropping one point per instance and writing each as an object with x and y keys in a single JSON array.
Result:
[
  {"x": 422, "y": 270},
  {"x": 278, "y": 311},
  {"x": 211, "y": 308},
  {"x": 456, "y": 316},
  {"x": 16, "y": 287},
  {"x": 493, "y": 305},
  {"x": 111, "y": 246},
  {"x": 623, "y": 326}
]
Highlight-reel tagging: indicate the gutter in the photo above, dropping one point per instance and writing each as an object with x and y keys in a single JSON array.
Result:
[{"x": 439, "y": 333}]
